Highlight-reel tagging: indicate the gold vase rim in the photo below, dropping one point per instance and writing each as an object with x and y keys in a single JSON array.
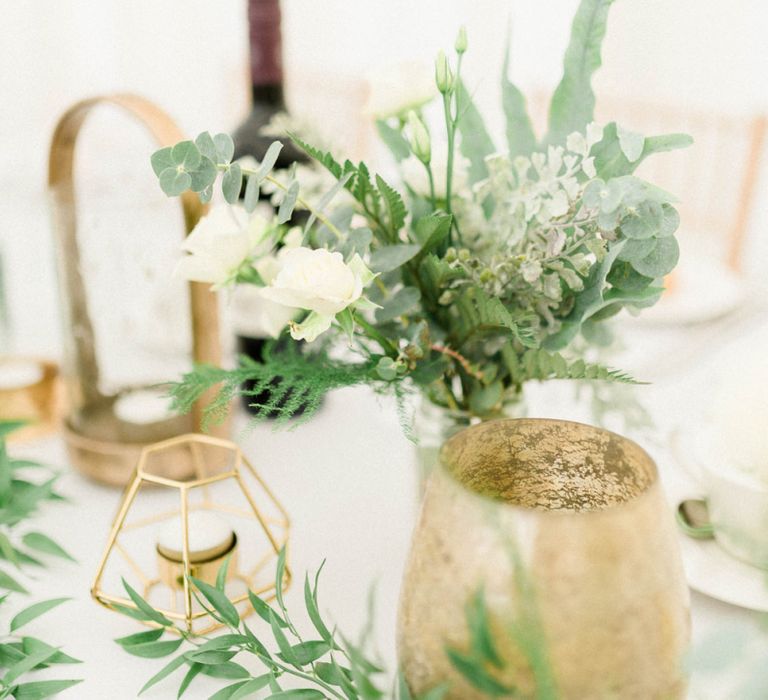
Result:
[{"x": 627, "y": 480}]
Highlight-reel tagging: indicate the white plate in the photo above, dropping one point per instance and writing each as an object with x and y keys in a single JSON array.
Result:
[{"x": 713, "y": 572}]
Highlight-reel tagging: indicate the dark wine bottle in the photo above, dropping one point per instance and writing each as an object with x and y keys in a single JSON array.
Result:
[{"x": 268, "y": 99}]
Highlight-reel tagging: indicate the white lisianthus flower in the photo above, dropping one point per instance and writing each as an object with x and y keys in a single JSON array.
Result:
[
  {"x": 415, "y": 174},
  {"x": 223, "y": 240},
  {"x": 395, "y": 89},
  {"x": 319, "y": 281}
]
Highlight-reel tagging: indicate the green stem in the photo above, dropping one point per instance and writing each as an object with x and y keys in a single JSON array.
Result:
[
  {"x": 293, "y": 672},
  {"x": 451, "y": 129},
  {"x": 299, "y": 200},
  {"x": 431, "y": 185},
  {"x": 387, "y": 345}
]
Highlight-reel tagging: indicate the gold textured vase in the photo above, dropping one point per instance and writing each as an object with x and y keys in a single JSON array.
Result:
[{"x": 564, "y": 531}]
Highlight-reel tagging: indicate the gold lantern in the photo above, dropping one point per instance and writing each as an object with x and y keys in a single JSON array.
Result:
[
  {"x": 101, "y": 442},
  {"x": 167, "y": 530}
]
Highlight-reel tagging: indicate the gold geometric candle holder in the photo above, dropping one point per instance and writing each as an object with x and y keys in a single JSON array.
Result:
[{"x": 168, "y": 530}]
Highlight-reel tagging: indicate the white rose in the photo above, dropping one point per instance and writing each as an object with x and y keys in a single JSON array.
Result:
[
  {"x": 415, "y": 174},
  {"x": 395, "y": 89},
  {"x": 222, "y": 241},
  {"x": 318, "y": 281}
]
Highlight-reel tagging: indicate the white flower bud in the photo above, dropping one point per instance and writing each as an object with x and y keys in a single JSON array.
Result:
[
  {"x": 443, "y": 74},
  {"x": 418, "y": 137},
  {"x": 461, "y": 41}
]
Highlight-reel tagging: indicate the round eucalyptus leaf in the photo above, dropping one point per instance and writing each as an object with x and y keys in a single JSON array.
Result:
[
  {"x": 624, "y": 276},
  {"x": 186, "y": 154},
  {"x": 636, "y": 249},
  {"x": 642, "y": 221},
  {"x": 204, "y": 175},
  {"x": 161, "y": 160},
  {"x": 662, "y": 259},
  {"x": 206, "y": 146},
  {"x": 173, "y": 182},
  {"x": 225, "y": 147},
  {"x": 232, "y": 183},
  {"x": 670, "y": 220}
]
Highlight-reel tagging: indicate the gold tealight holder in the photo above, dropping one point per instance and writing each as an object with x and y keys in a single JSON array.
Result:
[
  {"x": 29, "y": 393},
  {"x": 104, "y": 442},
  {"x": 168, "y": 530}
]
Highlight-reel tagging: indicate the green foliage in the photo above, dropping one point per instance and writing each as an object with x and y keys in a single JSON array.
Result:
[
  {"x": 521, "y": 139},
  {"x": 525, "y": 250},
  {"x": 611, "y": 160},
  {"x": 392, "y": 257},
  {"x": 20, "y": 500},
  {"x": 573, "y": 103},
  {"x": 476, "y": 142},
  {"x": 294, "y": 383},
  {"x": 480, "y": 313},
  {"x": 394, "y": 140},
  {"x": 400, "y": 303},
  {"x": 536, "y": 363},
  {"x": 328, "y": 667}
]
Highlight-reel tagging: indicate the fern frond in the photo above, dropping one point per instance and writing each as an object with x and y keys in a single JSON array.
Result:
[
  {"x": 396, "y": 211},
  {"x": 536, "y": 363},
  {"x": 286, "y": 385},
  {"x": 480, "y": 312}
]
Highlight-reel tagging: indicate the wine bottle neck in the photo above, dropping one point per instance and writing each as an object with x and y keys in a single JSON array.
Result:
[
  {"x": 271, "y": 95},
  {"x": 266, "y": 44}
]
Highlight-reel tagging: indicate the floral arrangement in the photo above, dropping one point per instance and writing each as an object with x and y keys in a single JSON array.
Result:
[{"x": 468, "y": 278}]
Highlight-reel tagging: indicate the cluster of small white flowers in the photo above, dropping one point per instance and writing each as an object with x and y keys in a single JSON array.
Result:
[{"x": 526, "y": 250}]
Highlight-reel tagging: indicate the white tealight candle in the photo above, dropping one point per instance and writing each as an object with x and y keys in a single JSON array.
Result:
[
  {"x": 210, "y": 536},
  {"x": 16, "y": 374},
  {"x": 144, "y": 406}
]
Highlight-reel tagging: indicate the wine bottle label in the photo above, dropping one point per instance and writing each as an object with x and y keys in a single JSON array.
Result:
[{"x": 266, "y": 42}]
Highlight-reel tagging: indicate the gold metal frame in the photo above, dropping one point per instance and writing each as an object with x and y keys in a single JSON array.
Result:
[
  {"x": 193, "y": 441},
  {"x": 110, "y": 455}
]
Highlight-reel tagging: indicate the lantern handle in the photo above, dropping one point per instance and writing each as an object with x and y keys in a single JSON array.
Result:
[{"x": 83, "y": 373}]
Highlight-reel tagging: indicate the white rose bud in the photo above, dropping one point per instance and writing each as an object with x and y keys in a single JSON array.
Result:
[{"x": 418, "y": 137}]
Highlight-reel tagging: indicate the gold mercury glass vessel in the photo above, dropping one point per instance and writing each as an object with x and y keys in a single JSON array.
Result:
[{"x": 565, "y": 530}]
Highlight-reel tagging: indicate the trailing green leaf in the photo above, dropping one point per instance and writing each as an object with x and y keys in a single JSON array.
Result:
[
  {"x": 476, "y": 142},
  {"x": 573, "y": 102},
  {"x": 521, "y": 139}
]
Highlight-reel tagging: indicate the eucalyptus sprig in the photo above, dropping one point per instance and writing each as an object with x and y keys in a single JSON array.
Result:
[
  {"x": 20, "y": 499},
  {"x": 327, "y": 666},
  {"x": 21, "y": 655}
]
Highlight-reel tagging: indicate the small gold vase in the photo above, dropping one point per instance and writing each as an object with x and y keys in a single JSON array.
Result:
[{"x": 564, "y": 529}]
